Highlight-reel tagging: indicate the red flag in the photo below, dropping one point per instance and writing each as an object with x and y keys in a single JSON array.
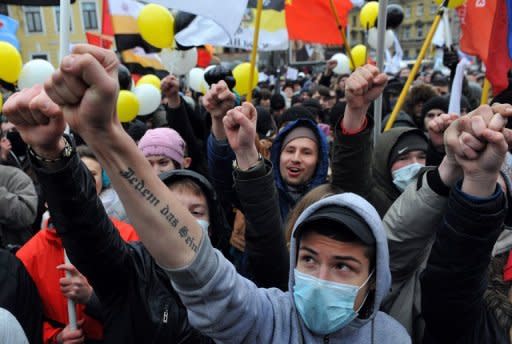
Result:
[
  {"x": 106, "y": 20},
  {"x": 484, "y": 34},
  {"x": 98, "y": 40},
  {"x": 313, "y": 20}
]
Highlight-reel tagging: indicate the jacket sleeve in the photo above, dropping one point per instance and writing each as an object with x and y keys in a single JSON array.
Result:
[
  {"x": 220, "y": 167},
  {"x": 352, "y": 160},
  {"x": 411, "y": 223},
  {"x": 222, "y": 304},
  {"x": 18, "y": 198},
  {"x": 265, "y": 241},
  {"x": 92, "y": 243},
  {"x": 455, "y": 279}
]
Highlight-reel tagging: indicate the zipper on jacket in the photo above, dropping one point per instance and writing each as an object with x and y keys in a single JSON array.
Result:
[
  {"x": 166, "y": 314},
  {"x": 326, "y": 339}
]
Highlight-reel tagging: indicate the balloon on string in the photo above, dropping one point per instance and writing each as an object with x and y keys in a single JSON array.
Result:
[
  {"x": 11, "y": 63},
  {"x": 196, "y": 79},
  {"x": 342, "y": 64},
  {"x": 373, "y": 38},
  {"x": 149, "y": 98},
  {"x": 125, "y": 77},
  {"x": 452, "y": 3},
  {"x": 127, "y": 106},
  {"x": 217, "y": 73},
  {"x": 35, "y": 72},
  {"x": 150, "y": 79},
  {"x": 241, "y": 75},
  {"x": 394, "y": 16},
  {"x": 179, "y": 62},
  {"x": 368, "y": 15},
  {"x": 156, "y": 25},
  {"x": 358, "y": 55}
]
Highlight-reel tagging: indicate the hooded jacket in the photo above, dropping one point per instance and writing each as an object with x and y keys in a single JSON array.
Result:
[
  {"x": 231, "y": 309},
  {"x": 286, "y": 202}
]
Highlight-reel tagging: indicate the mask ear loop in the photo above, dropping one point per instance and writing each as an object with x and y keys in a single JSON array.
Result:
[{"x": 367, "y": 293}]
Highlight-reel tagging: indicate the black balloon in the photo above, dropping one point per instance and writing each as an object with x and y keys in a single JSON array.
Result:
[
  {"x": 395, "y": 16},
  {"x": 218, "y": 73},
  {"x": 181, "y": 21},
  {"x": 125, "y": 78}
]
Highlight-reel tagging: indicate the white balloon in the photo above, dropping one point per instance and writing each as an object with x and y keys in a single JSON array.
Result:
[
  {"x": 196, "y": 80},
  {"x": 35, "y": 72},
  {"x": 343, "y": 64},
  {"x": 179, "y": 62},
  {"x": 149, "y": 98},
  {"x": 373, "y": 39}
]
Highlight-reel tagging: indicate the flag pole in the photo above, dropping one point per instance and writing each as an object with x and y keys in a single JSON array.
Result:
[
  {"x": 342, "y": 32},
  {"x": 417, "y": 64},
  {"x": 381, "y": 36},
  {"x": 255, "y": 40},
  {"x": 485, "y": 92},
  {"x": 71, "y": 303}
]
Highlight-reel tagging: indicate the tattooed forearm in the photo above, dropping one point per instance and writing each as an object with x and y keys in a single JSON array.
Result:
[
  {"x": 129, "y": 175},
  {"x": 165, "y": 211}
]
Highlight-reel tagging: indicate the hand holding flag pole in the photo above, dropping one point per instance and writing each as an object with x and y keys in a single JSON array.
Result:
[
  {"x": 417, "y": 64},
  {"x": 255, "y": 40}
]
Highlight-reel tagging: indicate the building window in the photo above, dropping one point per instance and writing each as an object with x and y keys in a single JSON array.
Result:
[
  {"x": 90, "y": 16},
  {"x": 407, "y": 32},
  {"x": 412, "y": 54},
  {"x": 407, "y": 11},
  {"x": 33, "y": 19},
  {"x": 57, "y": 20},
  {"x": 40, "y": 56},
  {"x": 419, "y": 10},
  {"x": 419, "y": 30},
  {"x": 4, "y": 9}
]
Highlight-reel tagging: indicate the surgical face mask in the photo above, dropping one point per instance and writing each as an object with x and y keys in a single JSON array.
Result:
[
  {"x": 324, "y": 306},
  {"x": 204, "y": 225},
  {"x": 405, "y": 175}
]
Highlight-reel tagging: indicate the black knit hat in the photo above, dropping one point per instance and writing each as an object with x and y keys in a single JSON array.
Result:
[
  {"x": 410, "y": 141},
  {"x": 437, "y": 102}
]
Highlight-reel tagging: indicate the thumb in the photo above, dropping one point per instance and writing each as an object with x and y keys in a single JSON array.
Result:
[
  {"x": 69, "y": 268},
  {"x": 249, "y": 111}
]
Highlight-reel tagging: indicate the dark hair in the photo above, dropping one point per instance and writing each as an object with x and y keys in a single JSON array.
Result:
[
  {"x": 187, "y": 184},
  {"x": 85, "y": 152}
]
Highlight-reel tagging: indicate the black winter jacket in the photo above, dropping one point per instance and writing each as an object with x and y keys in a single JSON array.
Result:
[{"x": 138, "y": 300}]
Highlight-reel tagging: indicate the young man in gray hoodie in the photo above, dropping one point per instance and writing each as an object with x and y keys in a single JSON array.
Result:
[{"x": 336, "y": 286}]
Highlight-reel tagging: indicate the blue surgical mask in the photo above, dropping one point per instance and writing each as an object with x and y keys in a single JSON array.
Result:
[
  {"x": 204, "y": 225},
  {"x": 405, "y": 175},
  {"x": 324, "y": 306}
]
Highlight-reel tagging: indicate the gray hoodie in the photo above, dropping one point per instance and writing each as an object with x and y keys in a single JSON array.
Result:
[
  {"x": 231, "y": 309},
  {"x": 10, "y": 329}
]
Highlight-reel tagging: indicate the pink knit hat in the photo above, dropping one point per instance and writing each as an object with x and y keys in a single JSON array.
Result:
[{"x": 163, "y": 141}]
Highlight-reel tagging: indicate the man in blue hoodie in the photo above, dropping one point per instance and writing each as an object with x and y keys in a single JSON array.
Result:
[{"x": 339, "y": 256}]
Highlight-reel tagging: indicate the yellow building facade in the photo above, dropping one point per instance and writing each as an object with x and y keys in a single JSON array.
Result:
[{"x": 38, "y": 31}]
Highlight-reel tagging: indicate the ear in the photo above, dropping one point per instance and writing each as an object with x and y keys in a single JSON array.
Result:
[{"x": 187, "y": 162}]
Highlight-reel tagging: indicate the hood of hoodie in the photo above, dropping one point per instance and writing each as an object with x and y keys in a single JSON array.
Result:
[
  {"x": 320, "y": 175},
  {"x": 381, "y": 168},
  {"x": 370, "y": 215}
]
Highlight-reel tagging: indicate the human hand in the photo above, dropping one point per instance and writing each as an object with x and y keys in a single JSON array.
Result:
[
  {"x": 219, "y": 100},
  {"x": 436, "y": 129},
  {"x": 170, "y": 90},
  {"x": 69, "y": 336},
  {"x": 362, "y": 87},
  {"x": 75, "y": 287},
  {"x": 240, "y": 128}
]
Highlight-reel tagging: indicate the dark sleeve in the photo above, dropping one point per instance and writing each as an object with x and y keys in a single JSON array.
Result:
[
  {"x": 455, "y": 279},
  {"x": 179, "y": 120},
  {"x": 18, "y": 294},
  {"x": 94, "y": 309},
  {"x": 434, "y": 158},
  {"x": 264, "y": 235},
  {"x": 325, "y": 80},
  {"x": 220, "y": 167},
  {"x": 352, "y": 160},
  {"x": 92, "y": 243}
]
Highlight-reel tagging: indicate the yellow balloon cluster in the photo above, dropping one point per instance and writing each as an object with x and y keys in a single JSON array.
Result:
[
  {"x": 10, "y": 63},
  {"x": 452, "y": 3},
  {"x": 156, "y": 25},
  {"x": 368, "y": 15},
  {"x": 358, "y": 55},
  {"x": 127, "y": 106},
  {"x": 150, "y": 79},
  {"x": 241, "y": 75}
]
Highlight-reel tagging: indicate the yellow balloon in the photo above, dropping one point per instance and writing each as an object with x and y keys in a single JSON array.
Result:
[
  {"x": 452, "y": 3},
  {"x": 359, "y": 55},
  {"x": 150, "y": 79},
  {"x": 156, "y": 25},
  {"x": 368, "y": 15},
  {"x": 10, "y": 63},
  {"x": 127, "y": 106},
  {"x": 1, "y": 102},
  {"x": 241, "y": 75}
]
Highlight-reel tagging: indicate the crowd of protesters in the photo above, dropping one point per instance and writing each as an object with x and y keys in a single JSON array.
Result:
[{"x": 279, "y": 220}]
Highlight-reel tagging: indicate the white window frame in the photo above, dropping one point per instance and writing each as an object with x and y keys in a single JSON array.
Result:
[
  {"x": 25, "y": 21},
  {"x": 98, "y": 19},
  {"x": 56, "y": 19},
  {"x": 418, "y": 12},
  {"x": 48, "y": 56}
]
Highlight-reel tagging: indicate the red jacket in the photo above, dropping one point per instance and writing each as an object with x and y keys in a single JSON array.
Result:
[{"x": 41, "y": 255}]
